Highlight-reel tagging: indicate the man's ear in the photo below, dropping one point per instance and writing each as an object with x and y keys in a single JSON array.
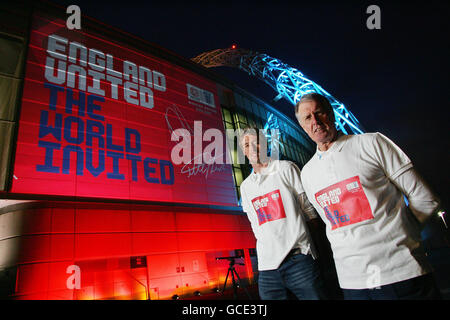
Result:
[{"x": 332, "y": 116}]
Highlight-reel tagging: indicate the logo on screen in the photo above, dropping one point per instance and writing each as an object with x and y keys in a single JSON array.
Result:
[{"x": 200, "y": 95}]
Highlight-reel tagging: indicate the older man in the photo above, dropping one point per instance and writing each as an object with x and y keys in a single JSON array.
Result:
[
  {"x": 277, "y": 208},
  {"x": 357, "y": 183}
]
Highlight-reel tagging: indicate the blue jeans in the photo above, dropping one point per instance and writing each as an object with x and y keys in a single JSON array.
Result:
[
  {"x": 299, "y": 274},
  {"x": 419, "y": 288}
]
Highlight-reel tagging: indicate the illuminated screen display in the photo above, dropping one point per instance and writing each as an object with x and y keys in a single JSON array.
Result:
[{"x": 97, "y": 118}]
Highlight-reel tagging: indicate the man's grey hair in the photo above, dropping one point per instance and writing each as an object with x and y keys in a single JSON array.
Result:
[
  {"x": 250, "y": 130},
  {"x": 319, "y": 99}
]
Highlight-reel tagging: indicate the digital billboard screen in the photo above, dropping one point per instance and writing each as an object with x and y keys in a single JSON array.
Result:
[{"x": 97, "y": 118}]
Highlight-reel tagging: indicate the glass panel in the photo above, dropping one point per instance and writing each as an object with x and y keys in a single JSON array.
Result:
[
  {"x": 226, "y": 115},
  {"x": 242, "y": 118},
  {"x": 234, "y": 155},
  {"x": 263, "y": 113},
  {"x": 238, "y": 99},
  {"x": 251, "y": 122},
  {"x": 256, "y": 109},
  {"x": 238, "y": 175},
  {"x": 288, "y": 152},
  {"x": 12, "y": 50},
  {"x": 243, "y": 124},
  {"x": 297, "y": 155},
  {"x": 229, "y": 125}
]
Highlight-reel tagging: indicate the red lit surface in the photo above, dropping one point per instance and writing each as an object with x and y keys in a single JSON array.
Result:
[
  {"x": 171, "y": 108},
  {"x": 179, "y": 247}
]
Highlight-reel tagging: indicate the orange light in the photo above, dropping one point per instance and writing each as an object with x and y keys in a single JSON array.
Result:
[{"x": 233, "y": 46}]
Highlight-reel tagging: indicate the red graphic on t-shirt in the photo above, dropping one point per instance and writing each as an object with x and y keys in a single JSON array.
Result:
[
  {"x": 269, "y": 207},
  {"x": 344, "y": 203}
]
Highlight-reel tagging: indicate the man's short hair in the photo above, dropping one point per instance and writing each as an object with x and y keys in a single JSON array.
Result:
[
  {"x": 319, "y": 99},
  {"x": 250, "y": 130}
]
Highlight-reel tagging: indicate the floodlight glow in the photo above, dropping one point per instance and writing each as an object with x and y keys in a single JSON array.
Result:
[{"x": 441, "y": 215}]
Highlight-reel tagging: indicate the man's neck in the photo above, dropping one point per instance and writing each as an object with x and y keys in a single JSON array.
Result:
[
  {"x": 324, "y": 146},
  {"x": 257, "y": 167}
]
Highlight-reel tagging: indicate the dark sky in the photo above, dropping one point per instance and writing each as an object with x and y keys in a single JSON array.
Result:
[{"x": 394, "y": 80}]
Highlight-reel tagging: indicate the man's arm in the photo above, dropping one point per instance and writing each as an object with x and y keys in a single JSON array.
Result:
[
  {"x": 400, "y": 171},
  {"x": 250, "y": 215},
  {"x": 422, "y": 202},
  {"x": 293, "y": 177},
  {"x": 307, "y": 208}
]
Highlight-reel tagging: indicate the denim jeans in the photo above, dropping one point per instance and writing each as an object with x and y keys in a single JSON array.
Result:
[
  {"x": 419, "y": 288},
  {"x": 299, "y": 274}
]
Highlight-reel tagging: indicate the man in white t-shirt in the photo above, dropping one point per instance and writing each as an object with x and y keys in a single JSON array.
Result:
[
  {"x": 357, "y": 183},
  {"x": 277, "y": 207}
]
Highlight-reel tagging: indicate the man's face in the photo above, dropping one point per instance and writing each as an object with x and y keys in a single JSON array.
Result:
[
  {"x": 250, "y": 147},
  {"x": 316, "y": 122}
]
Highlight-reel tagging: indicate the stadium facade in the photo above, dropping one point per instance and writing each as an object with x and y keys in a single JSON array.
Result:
[{"x": 91, "y": 204}]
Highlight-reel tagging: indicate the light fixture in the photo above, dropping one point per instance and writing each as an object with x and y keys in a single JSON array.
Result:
[{"x": 441, "y": 214}]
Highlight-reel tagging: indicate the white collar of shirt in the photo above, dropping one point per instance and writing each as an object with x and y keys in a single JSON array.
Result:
[
  {"x": 271, "y": 167},
  {"x": 335, "y": 147}
]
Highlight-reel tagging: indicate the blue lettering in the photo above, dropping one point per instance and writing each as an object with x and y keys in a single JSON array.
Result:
[
  {"x": 115, "y": 174},
  {"x": 148, "y": 170},
  {"x": 134, "y": 160},
  {"x": 162, "y": 165},
  {"x": 91, "y": 107},
  {"x": 68, "y": 128},
  {"x": 109, "y": 143},
  {"x": 128, "y": 148},
  {"x": 45, "y": 128},
  {"x": 81, "y": 102},
  {"x": 261, "y": 217},
  {"x": 48, "y": 164},
  {"x": 66, "y": 159},
  {"x": 336, "y": 217},
  {"x": 91, "y": 134},
  {"x": 53, "y": 94},
  {"x": 330, "y": 216},
  {"x": 101, "y": 162},
  {"x": 73, "y": 127}
]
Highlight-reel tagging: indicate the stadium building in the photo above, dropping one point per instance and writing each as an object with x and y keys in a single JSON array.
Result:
[{"x": 91, "y": 204}]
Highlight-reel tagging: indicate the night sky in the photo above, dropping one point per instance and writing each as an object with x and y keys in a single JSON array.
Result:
[{"x": 394, "y": 80}]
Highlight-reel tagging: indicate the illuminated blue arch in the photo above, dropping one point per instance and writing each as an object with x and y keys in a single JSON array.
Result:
[{"x": 288, "y": 82}]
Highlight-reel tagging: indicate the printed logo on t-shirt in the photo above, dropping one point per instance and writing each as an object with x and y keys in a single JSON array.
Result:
[
  {"x": 269, "y": 207},
  {"x": 344, "y": 203}
]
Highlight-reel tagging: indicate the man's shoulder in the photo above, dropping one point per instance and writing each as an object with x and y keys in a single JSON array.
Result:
[
  {"x": 246, "y": 181},
  {"x": 309, "y": 165},
  {"x": 367, "y": 142},
  {"x": 365, "y": 137},
  {"x": 285, "y": 164}
]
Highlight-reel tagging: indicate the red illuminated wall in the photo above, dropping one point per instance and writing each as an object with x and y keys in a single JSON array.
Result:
[
  {"x": 180, "y": 247},
  {"x": 106, "y": 147},
  {"x": 83, "y": 136}
]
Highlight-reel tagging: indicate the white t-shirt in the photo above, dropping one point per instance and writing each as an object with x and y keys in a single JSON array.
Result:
[
  {"x": 274, "y": 201},
  {"x": 357, "y": 188}
]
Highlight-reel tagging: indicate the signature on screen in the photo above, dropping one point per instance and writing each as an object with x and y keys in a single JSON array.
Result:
[{"x": 191, "y": 168}]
